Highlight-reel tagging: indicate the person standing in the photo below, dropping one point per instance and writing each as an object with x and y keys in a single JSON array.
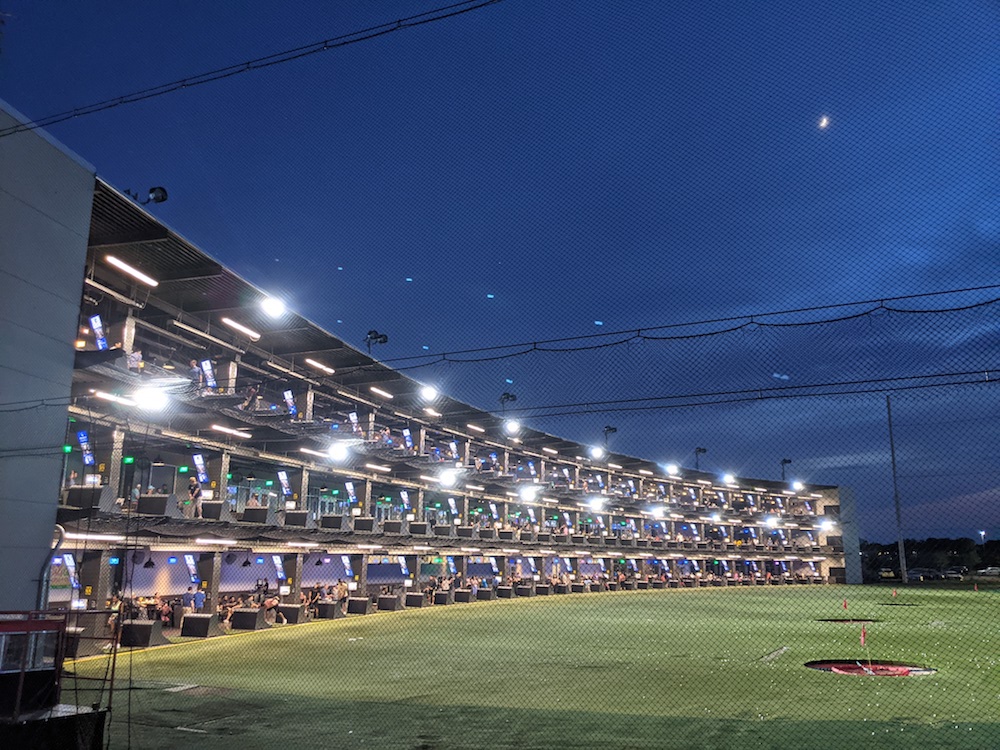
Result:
[
  {"x": 187, "y": 601},
  {"x": 194, "y": 498},
  {"x": 198, "y": 601}
]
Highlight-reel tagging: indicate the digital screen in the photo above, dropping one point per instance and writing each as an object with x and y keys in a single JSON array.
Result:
[
  {"x": 493, "y": 564},
  {"x": 407, "y": 438},
  {"x": 633, "y": 565},
  {"x": 353, "y": 416},
  {"x": 286, "y": 488},
  {"x": 531, "y": 468},
  {"x": 631, "y": 486},
  {"x": 114, "y": 560},
  {"x": 405, "y": 497},
  {"x": 531, "y": 564},
  {"x": 206, "y": 367},
  {"x": 348, "y": 571},
  {"x": 493, "y": 511},
  {"x": 451, "y": 504},
  {"x": 97, "y": 326},
  {"x": 566, "y": 473},
  {"x": 70, "y": 562},
  {"x": 284, "y": 590},
  {"x": 600, "y": 562},
  {"x": 192, "y": 568},
  {"x": 88, "y": 454},
  {"x": 279, "y": 567},
  {"x": 531, "y": 515},
  {"x": 566, "y": 517},
  {"x": 171, "y": 560},
  {"x": 402, "y": 566},
  {"x": 290, "y": 402},
  {"x": 349, "y": 486},
  {"x": 600, "y": 482},
  {"x": 451, "y": 565},
  {"x": 199, "y": 466},
  {"x": 454, "y": 449},
  {"x": 569, "y": 565}
]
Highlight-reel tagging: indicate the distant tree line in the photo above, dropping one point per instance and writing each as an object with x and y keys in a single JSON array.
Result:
[{"x": 934, "y": 553}]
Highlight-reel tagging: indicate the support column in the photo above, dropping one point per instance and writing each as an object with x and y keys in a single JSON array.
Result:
[
  {"x": 128, "y": 333},
  {"x": 309, "y": 399},
  {"x": 421, "y": 441},
  {"x": 113, "y": 488},
  {"x": 96, "y": 576},
  {"x": 370, "y": 432},
  {"x": 210, "y": 571},
  {"x": 226, "y": 374},
  {"x": 300, "y": 490},
  {"x": 366, "y": 499},
  {"x": 418, "y": 506},
  {"x": 359, "y": 565},
  {"x": 293, "y": 569}
]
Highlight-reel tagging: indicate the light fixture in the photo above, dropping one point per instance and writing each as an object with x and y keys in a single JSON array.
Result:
[
  {"x": 231, "y": 431},
  {"x": 94, "y": 537},
  {"x": 798, "y": 486},
  {"x": 374, "y": 337},
  {"x": 448, "y": 478},
  {"x": 320, "y": 366},
  {"x": 206, "y": 336},
  {"x": 379, "y": 392},
  {"x": 512, "y": 426},
  {"x": 646, "y": 472},
  {"x": 248, "y": 332},
  {"x": 131, "y": 271},
  {"x": 614, "y": 466},
  {"x": 151, "y": 399},
  {"x": 149, "y": 564},
  {"x": 428, "y": 393},
  {"x": 246, "y": 563},
  {"x": 528, "y": 492},
  {"x": 771, "y": 521},
  {"x": 251, "y": 477},
  {"x": 113, "y": 398},
  {"x": 551, "y": 451},
  {"x": 826, "y": 525},
  {"x": 378, "y": 467},
  {"x": 337, "y": 452},
  {"x": 304, "y": 545},
  {"x": 729, "y": 479},
  {"x": 273, "y": 306},
  {"x": 596, "y": 503},
  {"x": 158, "y": 461},
  {"x": 319, "y": 561},
  {"x": 80, "y": 344},
  {"x": 169, "y": 365},
  {"x": 215, "y": 541},
  {"x": 431, "y": 412},
  {"x": 324, "y": 488},
  {"x": 475, "y": 428},
  {"x": 596, "y": 452},
  {"x": 673, "y": 470},
  {"x": 507, "y": 398}
]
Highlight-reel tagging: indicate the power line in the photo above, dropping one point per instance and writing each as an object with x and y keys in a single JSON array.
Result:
[{"x": 277, "y": 58}]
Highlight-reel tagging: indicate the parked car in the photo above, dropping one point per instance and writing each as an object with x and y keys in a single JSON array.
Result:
[
  {"x": 924, "y": 574},
  {"x": 954, "y": 574},
  {"x": 991, "y": 571},
  {"x": 887, "y": 573}
]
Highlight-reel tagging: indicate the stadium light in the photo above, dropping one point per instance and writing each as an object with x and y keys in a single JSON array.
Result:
[
  {"x": 338, "y": 452},
  {"x": 273, "y": 306},
  {"x": 428, "y": 393},
  {"x": 151, "y": 399},
  {"x": 250, "y": 333},
  {"x": 512, "y": 426},
  {"x": 135, "y": 273}
]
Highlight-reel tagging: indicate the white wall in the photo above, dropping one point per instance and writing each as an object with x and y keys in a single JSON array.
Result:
[{"x": 46, "y": 197}]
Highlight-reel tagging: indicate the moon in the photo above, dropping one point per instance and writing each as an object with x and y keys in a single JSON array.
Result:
[{"x": 824, "y": 122}]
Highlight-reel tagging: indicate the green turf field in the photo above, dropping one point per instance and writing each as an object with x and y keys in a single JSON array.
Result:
[{"x": 707, "y": 668}]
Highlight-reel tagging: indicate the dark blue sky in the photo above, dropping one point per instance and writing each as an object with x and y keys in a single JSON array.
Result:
[{"x": 637, "y": 164}]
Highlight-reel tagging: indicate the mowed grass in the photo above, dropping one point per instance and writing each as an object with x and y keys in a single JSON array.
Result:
[{"x": 706, "y": 668}]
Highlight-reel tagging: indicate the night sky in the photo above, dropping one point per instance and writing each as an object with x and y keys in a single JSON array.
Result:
[{"x": 531, "y": 171}]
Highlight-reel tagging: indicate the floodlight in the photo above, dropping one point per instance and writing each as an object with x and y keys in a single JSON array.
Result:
[
  {"x": 673, "y": 470},
  {"x": 729, "y": 479},
  {"x": 273, "y": 306},
  {"x": 596, "y": 452},
  {"x": 150, "y": 399},
  {"x": 338, "y": 452},
  {"x": 798, "y": 486},
  {"x": 448, "y": 478},
  {"x": 428, "y": 393},
  {"x": 528, "y": 492},
  {"x": 512, "y": 426}
]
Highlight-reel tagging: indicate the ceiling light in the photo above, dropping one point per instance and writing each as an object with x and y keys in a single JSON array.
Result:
[
  {"x": 646, "y": 472},
  {"x": 273, "y": 306},
  {"x": 311, "y": 452},
  {"x": 133, "y": 272},
  {"x": 380, "y": 392},
  {"x": 614, "y": 466},
  {"x": 227, "y": 542},
  {"x": 231, "y": 431},
  {"x": 249, "y": 332},
  {"x": 528, "y": 493},
  {"x": 431, "y": 413},
  {"x": 206, "y": 336},
  {"x": 798, "y": 486},
  {"x": 428, "y": 393},
  {"x": 94, "y": 537},
  {"x": 80, "y": 344},
  {"x": 729, "y": 479},
  {"x": 448, "y": 478},
  {"x": 151, "y": 399},
  {"x": 596, "y": 452},
  {"x": 113, "y": 398},
  {"x": 673, "y": 470},
  {"x": 378, "y": 467},
  {"x": 306, "y": 545},
  {"x": 475, "y": 428},
  {"x": 551, "y": 451},
  {"x": 337, "y": 452},
  {"x": 320, "y": 366},
  {"x": 512, "y": 426}
]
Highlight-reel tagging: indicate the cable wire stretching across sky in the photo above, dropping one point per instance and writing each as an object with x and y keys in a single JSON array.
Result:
[{"x": 277, "y": 58}]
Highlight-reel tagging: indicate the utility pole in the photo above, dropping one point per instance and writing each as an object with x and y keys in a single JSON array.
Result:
[{"x": 895, "y": 495}]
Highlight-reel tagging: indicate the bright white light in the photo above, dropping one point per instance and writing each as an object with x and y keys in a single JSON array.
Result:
[
  {"x": 771, "y": 521},
  {"x": 512, "y": 426},
  {"x": 94, "y": 537},
  {"x": 475, "y": 428},
  {"x": 551, "y": 451},
  {"x": 380, "y": 392},
  {"x": 225, "y": 542},
  {"x": 248, "y": 332},
  {"x": 378, "y": 467},
  {"x": 230, "y": 431},
  {"x": 798, "y": 486},
  {"x": 320, "y": 366},
  {"x": 716, "y": 517},
  {"x": 596, "y": 452},
  {"x": 596, "y": 503},
  {"x": 824, "y": 122},
  {"x": 826, "y": 525},
  {"x": 646, "y": 472},
  {"x": 430, "y": 412},
  {"x": 151, "y": 399},
  {"x": 657, "y": 511},
  {"x": 113, "y": 398},
  {"x": 337, "y": 452},
  {"x": 448, "y": 478},
  {"x": 135, "y": 273},
  {"x": 273, "y": 306},
  {"x": 528, "y": 492},
  {"x": 673, "y": 470},
  {"x": 428, "y": 393},
  {"x": 729, "y": 479},
  {"x": 306, "y": 545}
]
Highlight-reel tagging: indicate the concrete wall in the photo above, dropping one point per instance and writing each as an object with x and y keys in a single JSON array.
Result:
[{"x": 46, "y": 197}]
